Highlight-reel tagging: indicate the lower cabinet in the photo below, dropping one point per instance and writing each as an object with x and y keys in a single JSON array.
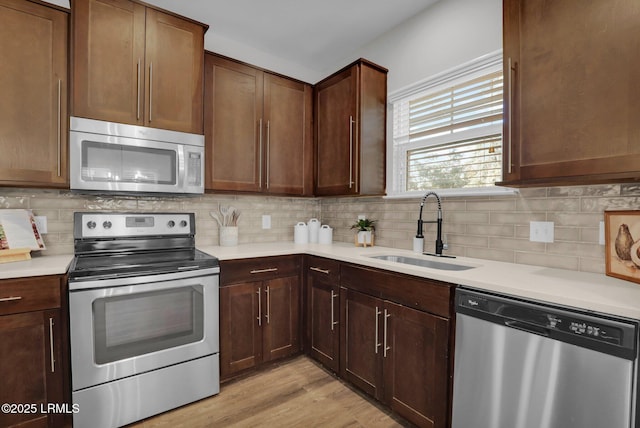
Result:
[
  {"x": 415, "y": 364},
  {"x": 323, "y": 311},
  {"x": 259, "y": 312},
  {"x": 395, "y": 341},
  {"x": 32, "y": 351}
]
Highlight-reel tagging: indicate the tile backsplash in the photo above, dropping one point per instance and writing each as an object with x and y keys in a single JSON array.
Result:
[{"x": 486, "y": 227}]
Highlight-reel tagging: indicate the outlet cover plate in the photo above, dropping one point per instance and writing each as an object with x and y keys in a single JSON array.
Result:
[
  {"x": 541, "y": 231},
  {"x": 266, "y": 221}
]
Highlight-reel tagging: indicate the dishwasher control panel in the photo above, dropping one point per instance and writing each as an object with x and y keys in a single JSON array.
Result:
[{"x": 549, "y": 320}]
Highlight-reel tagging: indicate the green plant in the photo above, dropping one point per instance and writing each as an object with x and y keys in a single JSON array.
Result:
[{"x": 364, "y": 225}]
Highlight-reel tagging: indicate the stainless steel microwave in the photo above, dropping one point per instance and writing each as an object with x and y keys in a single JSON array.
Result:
[{"x": 118, "y": 158}]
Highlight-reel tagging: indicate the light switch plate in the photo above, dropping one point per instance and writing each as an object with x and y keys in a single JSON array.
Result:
[
  {"x": 266, "y": 221},
  {"x": 601, "y": 234},
  {"x": 541, "y": 231}
]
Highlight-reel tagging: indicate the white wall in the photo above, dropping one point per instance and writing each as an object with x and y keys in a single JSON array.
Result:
[
  {"x": 63, "y": 3},
  {"x": 449, "y": 33}
]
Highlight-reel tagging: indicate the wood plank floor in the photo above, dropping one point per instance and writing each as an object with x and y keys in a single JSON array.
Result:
[{"x": 296, "y": 393}]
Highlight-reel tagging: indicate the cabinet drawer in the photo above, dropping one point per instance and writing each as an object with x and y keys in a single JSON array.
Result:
[
  {"x": 418, "y": 293},
  {"x": 258, "y": 269},
  {"x": 323, "y": 269},
  {"x": 29, "y": 294}
]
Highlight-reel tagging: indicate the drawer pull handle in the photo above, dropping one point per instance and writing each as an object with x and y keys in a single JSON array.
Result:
[
  {"x": 259, "y": 306},
  {"x": 266, "y": 290},
  {"x": 10, "y": 299},
  {"x": 51, "y": 346},
  {"x": 385, "y": 347},
  {"x": 264, "y": 270},
  {"x": 333, "y": 297},
  {"x": 317, "y": 269},
  {"x": 377, "y": 344}
]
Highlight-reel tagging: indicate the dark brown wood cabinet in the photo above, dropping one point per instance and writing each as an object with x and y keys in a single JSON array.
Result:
[
  {"x": 259, "y": 312},
  {"x": 395, "y": 341},
  {"x": 33, "y": 104},
  {"x": 350, "y": 131},
  {"x": 323, "y": 311},
  {"x": 137, "y": 65},
  {"x": 257, "y": 130},
  {"x": 571, "y": 97},
  {"x": 33, "y": 351}
]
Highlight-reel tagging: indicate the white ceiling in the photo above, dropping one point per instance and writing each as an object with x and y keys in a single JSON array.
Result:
[{"x": 317, "y": 34}]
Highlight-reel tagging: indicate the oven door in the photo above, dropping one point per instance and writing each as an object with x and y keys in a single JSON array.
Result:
[{"x": 134, "y": 325}]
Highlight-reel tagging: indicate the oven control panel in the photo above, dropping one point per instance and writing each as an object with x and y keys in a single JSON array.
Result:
[{"x": 116, "y": 225}]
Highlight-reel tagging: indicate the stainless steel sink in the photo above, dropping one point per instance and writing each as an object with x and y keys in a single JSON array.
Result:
[{"x": 422, "y": 262}]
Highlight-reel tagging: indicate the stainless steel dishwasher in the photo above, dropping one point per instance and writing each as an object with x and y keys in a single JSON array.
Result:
[{"x": 522, "y": 364}]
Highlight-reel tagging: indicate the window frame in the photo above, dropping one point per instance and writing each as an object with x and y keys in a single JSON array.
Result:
[{"x": 396, "y": 156}]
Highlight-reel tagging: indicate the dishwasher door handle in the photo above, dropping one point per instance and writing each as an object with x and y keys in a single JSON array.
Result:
[{"x": 525, "y": 326}]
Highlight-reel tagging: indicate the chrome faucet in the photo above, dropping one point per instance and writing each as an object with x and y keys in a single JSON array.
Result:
[{"x": 438, "y": 221}]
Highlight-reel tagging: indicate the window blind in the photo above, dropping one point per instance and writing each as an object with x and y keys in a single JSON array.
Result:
[{"x": 450, "y": 138}]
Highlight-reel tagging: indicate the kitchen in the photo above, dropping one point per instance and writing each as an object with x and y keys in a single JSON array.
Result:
[{"x": 480, "y": 227}]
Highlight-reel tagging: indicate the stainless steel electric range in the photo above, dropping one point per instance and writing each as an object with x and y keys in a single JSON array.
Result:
[{"x": 143, "y": 308}]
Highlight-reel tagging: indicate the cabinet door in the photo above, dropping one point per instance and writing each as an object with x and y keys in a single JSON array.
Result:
[
  {"x": 281, "y": 320},
  {"x": 240, "y": 327},
  {"x": 571, "y": 96},
  {"x": 415, "y": 365},
  {"x": 33, "y": 84},
  {"x": 174, "y": 67},
  {"x": 324, "y": 311},
  {"x": 288, "y": 159},
  {"x": 336, "y": 134},
  {"x": 360, "y": 343},
  {"x": 109, "y": 54},
  {"x": 31, "y": 372},
  {"x": 233, "y": 125}
]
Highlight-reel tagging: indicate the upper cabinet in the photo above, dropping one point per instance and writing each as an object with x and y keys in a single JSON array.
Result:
[
  {"x": 33, "y": 104},
  {"x": 137, "y": 65},
  {"x": 572, "y": 100},
  {"x": 350, "y": 127},
  {"x": 257, "y": 130}
]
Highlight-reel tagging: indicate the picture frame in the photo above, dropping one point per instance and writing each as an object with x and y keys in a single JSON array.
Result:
[{"x": 622, "y": 244}]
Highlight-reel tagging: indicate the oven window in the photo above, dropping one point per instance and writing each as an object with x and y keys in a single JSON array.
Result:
[
  {"x": 128, "y": 164},
  {"x": 140, "y": 323}
]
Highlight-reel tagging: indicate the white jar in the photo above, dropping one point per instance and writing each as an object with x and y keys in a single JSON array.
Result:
[
  {"x": 325, "y": 235},
  {"x": 314, "y": 229},
  {"x": 228, "y": 236},
  {"x": 301, "y": 233}
]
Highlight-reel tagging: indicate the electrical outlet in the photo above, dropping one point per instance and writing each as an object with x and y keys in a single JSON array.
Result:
[
  {"x": 541, "y": 231},
  {"x": 362, "y": 216},
  {"x": 41, "y": 222},
  {"x": 266, "y": 221}
]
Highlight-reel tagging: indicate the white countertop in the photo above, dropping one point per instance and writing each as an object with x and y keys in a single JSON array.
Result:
[
  {"x": 595, "y": 292},
  {"x": 37, "y": 266},
  {"x": 584, "y": 290}
]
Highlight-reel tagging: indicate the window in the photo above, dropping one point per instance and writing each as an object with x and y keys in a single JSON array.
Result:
[{"x": 447, "y": 132}]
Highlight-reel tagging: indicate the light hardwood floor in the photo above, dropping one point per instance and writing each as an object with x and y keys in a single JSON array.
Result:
[{"x": 296, "y": 393}]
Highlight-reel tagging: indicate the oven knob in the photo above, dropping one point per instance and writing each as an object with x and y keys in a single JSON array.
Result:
[
  {"x": 106, "y": 225},
  {"x": 171, "y": 223},
  {"x": 91, "y": 224},
  {"x": 183, "y": 223}
]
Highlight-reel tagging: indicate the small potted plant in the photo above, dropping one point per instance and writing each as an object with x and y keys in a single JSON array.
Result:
[{"x": 364, "y": 236}]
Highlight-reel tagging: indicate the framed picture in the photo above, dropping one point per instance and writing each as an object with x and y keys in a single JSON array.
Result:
[{"x": 622, "y": 244}]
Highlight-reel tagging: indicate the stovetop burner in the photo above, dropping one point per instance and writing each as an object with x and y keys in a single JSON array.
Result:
[{"x": 115, "y": 245}]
